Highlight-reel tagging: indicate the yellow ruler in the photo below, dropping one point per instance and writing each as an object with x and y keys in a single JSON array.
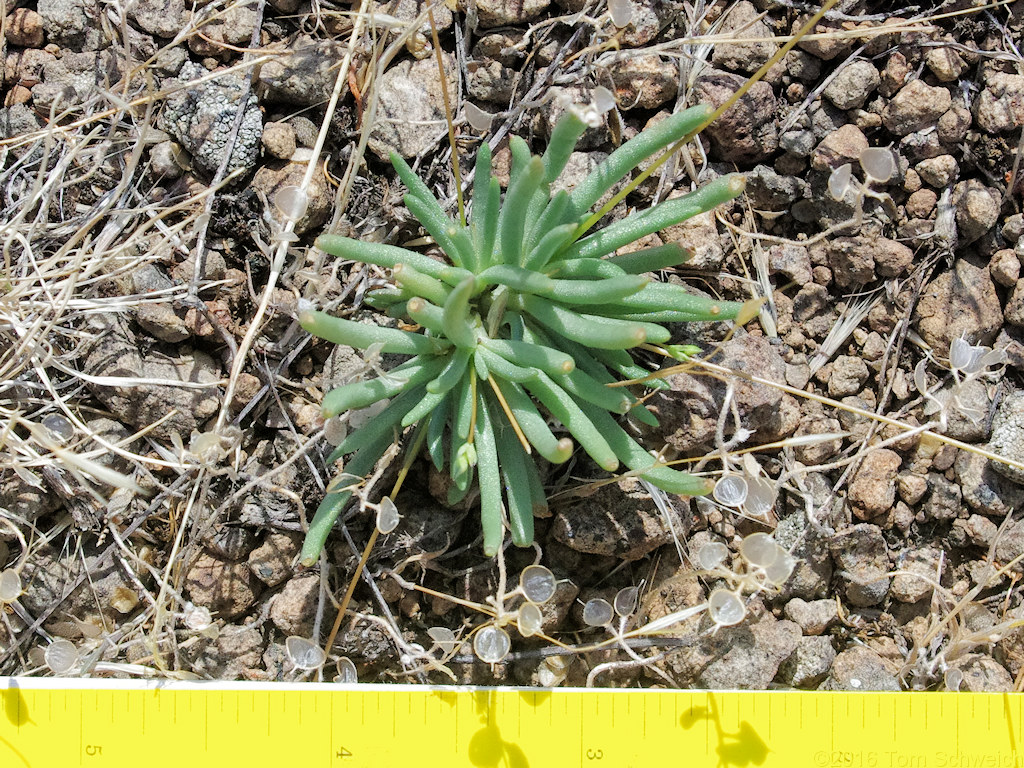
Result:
[{"x": 102, "y": 724}]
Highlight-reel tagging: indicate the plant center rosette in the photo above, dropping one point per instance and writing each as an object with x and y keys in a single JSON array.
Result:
[{"x": 522, "y": 331}]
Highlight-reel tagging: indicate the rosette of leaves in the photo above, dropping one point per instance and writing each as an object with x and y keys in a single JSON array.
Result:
[{"x": 521, "y": 331}]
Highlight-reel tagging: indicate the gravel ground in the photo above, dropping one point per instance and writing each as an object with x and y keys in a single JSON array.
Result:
[{"x": 162, "y": 438}]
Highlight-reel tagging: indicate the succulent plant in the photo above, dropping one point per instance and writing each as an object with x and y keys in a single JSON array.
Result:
[{"x": 527, "y": 326}]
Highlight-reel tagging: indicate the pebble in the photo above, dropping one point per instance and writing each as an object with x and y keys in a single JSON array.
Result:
[
  {"x": 894, "y": 74},
  {"x": 842, "y": 146},
  {"x": 619, "y": 519},
  {"x": 70, "y": 23},
  {"x": 921, "y": 203},
  {"x": 848, "y": 376},
  {"x": 939, "y": 172},
  {"x": 165, "y": 160},
  {"x": 271, "y": 561},
  {"x": 293, "y": 609},
  {"x": 410, "y": 113},
  {"x": 491, "y": 81},
  {"x": 985, "y": 490},
  {"x": 872, "y": 491},
  {"x": 982, "y": 674},
  {"x": 793, "y": 261},
  {"x": 202, "y": 120},
  {"x": 945, "y": 63},
  {"x": 820, "y": 451},
  {"x": 24, "y": 27},
  {"x": 1008, "y": 435},
  {"x": 1005, "y": 269},
  {"x": 498, "y": 13},
  {"x": 745, "y": 21},
  {"x": 235, "y": 654},
  {"x": 1000, "y": 107},
  {"x": 960, "y": 302},
  {"x": 74, "y": 76},
  {"x": 47, "y": 577},
  {"x": 860, "y": 669},
  {"x": 232, "y": 542},
  {"x": 279, "y": 140},
  {"x": 908, "y": 586},
  {"x": 977, "y": 209},
  {"x": 855, "y": 260},
  {"x": 744, "y": 657},
  {"x": 862, "y": 559},
  {"x": 158, "y": 318},
  {"x": 231, "y": 27},
  {"x": 914, "y": 107},
  {"x": 225, "y": 588},
  {"x": 276, "y": 174},
  {"x": 644, "y": 82},
  {"x": 748, "y": 131},
  {"x": 853, "y": 85},
  {"x": 828, "y": 42},
  {"x": 1014, "y": 311},
  {"x": 953, "y": 125},
  {"x": 699, "y": 235},
  {"x": 944, "y": 501},
  {"x": 689, "y": 411},
  {"x": 798, "y": 142},
  {"x": 117, "y": 353},
  {"x": 809, "y": 663},
  {"x": 812, "y": 577},
  {"x": 814, "y": 617},
  {"x": 304, "y": 71},
  {"x": 162, "y": 18}
]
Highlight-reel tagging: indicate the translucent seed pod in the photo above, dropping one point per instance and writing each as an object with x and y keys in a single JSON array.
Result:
[
  {"x": 387, "y": 515},
  {"x": 760, "y": 497},
  {"x": 730, "y": 490},
  {"x": 621, "y": 12},
  {"x": 443, "y": 638},
  {"x": 712, "y": 555},
  {"x": 10, "y": 585},
  {"x": 839, "y": 181},
  {"x": 346, "y": 672},
  {"x": 59, "y": 427},
  {"x": 538, "y": 584},
  {"x": 36, "y": 657},
  {"x": 303, "y": 653},
  {"x": 491, "y": 644},
  {"x": 604, "y": 100},
  {"x": 726, "y": 608},
  {"x": 759, "y": 549},
  {"x": 197, "y": 617},
  {"x": 529, "y": 619},
  {"x": 953, "y": 678},
  {"x": 779, "y": 572},
  {"x": 283, "y": 236},
  {"x": 359, "y": 418},
  {"x": 878, "y": 163},
  {"x": 335, "y": 431},
  {"x": 291, "y": 202},
  {"x": 598, "y": 613},
  {"x": 61, "y": 656},
  {"x": 478, "y": 119},
  {"x": 626, "y": 601}
]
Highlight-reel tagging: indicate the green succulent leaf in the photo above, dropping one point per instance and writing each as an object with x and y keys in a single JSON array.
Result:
[{"x": 523, "y": 331}]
